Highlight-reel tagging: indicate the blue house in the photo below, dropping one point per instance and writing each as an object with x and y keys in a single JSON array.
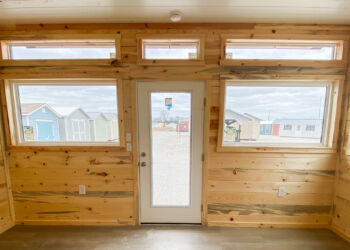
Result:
[{"x": 40, "y": 122}]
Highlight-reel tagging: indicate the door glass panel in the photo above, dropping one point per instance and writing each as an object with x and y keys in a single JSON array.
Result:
[{"x": 171, "y": 148}]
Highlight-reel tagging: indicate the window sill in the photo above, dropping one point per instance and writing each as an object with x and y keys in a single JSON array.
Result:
[
  {"x": 275, "y": 149},
  {"x": 175, "y": 62},
  {"x": 283, "y": 63},
  {"x": 69, "y": 148}
]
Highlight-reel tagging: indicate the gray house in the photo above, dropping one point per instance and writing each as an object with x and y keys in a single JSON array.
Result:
[
  {"x": 74, "y": 124},
  {"x": 99, "y": 127}
]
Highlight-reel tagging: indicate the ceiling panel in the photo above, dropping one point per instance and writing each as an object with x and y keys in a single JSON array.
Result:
[{"x": 100, "y": 11}]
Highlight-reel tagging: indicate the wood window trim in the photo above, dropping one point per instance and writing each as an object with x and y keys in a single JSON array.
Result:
[
  {"x": 59, "y": 38},
  {"x": 342, "y": 51},
  {"x": 331, "y": 134},
  {"x": 11, "y": 126},
  {"x": 175, "y": 62}
]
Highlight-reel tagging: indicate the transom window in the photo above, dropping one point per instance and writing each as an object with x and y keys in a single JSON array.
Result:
[
  {"x": 65, "y": 111},
  {"x": 170, "y": 49},
  {"x": 265, "y": 49},
  {"x": 62, "y": 49},
  {"x": 276, "y": 113}
]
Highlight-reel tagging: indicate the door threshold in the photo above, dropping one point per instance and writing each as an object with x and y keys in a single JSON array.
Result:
[{"x": 170, "y": 224}]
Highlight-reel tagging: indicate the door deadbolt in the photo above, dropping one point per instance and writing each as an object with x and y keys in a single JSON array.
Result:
[{"x": 143, "y": 154}]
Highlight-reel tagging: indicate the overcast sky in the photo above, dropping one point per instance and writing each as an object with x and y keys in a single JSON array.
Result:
[
  {"x": 277, "y": 102},
  {"x": 320, "y": 53},
  {"x": 23, "y": 52},
  {"x": 90, "y": 98},
  {"x": 181, "y": 105}
]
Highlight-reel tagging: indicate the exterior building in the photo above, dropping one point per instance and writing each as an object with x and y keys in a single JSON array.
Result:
[
  {"x": 40, "y": 122},
  {"x": 301, "y": 128},
  {"x": 74, "y": 124},
  {"x": 113, "y": 126},
  {"x": 240, "y": 127},
  {"x": 99, "y": 127}
]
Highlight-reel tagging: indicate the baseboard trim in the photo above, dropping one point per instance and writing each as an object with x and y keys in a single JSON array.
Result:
[
  {"x": 335, "y": 229},
  {"x": 268, "y": 225},
  {"x": 76, "y": 223},
  {"x": 7, "y": 227}
]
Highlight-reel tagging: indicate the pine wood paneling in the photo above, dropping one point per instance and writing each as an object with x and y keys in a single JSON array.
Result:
[
  {"x": 341, "y": 205},
  {"x": 242, "y": 187},
  {"x": 239, "y": 189},
  {"x": 6, "y": 208}
]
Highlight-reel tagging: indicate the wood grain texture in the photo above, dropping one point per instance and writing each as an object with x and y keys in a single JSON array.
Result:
[
  {"x": 242, "y": 187},
  {"x": 239, "y": 189},
  {"x": 341, "y": 205},
  {"x": 6, "y": 204}
]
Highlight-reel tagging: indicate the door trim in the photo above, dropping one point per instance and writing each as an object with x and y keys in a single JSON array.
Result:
[{"x": 203, "y": 149}]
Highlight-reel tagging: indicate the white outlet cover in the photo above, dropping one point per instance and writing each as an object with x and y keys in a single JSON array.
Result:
[
  {"x": 82, "y": 189},
  {"x": 128, "y": 147},
  {"x": 128, "y": 137},
  {"x": 281, "y": 191}
]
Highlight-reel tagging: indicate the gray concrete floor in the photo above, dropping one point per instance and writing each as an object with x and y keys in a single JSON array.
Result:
[{"x": 168, "y": 237}]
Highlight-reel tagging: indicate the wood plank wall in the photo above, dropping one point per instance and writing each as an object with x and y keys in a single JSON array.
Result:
[
  {"x": 45, "y": 183},
  {"x": 6, "y": 203},
  {"x": 240, "y": 189},
  {"x": 341, "y": 205}
]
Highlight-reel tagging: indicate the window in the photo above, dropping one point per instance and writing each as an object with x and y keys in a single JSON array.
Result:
[
  {"x": 310, "y": 128},
  {"x": 270, "y": 113},
  {"x": 263, "y": 49},
  {"x": 170, "y": 49},
  {"x": 62, "y": 49},
  {"x": 287, "y": 127},
  {"x": 65, "y": 111}
]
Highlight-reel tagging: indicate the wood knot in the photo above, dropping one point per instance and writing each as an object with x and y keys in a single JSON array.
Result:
[
  {"x": 231, "y": 219},
  {"x": 234, "y": 171},
  {"x": 104, "y": 174},
  {"x": 115, "y": 62}
]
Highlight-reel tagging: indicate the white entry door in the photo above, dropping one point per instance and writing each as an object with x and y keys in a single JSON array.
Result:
[{"x": 170, "y": 123}]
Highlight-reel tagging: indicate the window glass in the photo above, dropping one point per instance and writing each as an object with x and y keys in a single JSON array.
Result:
[
  {"x": 282, "y": 114},
  {"x": 171, "y": 49},
  {"x": 283, "y": 50},
  {"x": 63, "y": 50},
  {"x": 68, "y": 113},
  {"x": 171, "y": 139}
]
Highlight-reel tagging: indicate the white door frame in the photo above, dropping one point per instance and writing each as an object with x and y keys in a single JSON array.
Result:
[{"x": 192, "y": 214}]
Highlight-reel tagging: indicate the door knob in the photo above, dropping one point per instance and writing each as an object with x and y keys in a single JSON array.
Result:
[{"x": 143, "y": 164}]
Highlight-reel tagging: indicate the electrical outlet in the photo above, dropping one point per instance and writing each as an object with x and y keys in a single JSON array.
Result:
[
  {"x": 82, "y": 189},
  {"x": 281, "y": 191},
  {"x": 128, "y": 137},
  {"x": 128, "y": 147}
]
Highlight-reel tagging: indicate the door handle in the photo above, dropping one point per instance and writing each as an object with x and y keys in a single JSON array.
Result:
[{"x": 143, "y": 164}]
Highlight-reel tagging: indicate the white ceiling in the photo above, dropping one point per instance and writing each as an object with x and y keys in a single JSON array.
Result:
[{"x": 112, "y": 11}]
